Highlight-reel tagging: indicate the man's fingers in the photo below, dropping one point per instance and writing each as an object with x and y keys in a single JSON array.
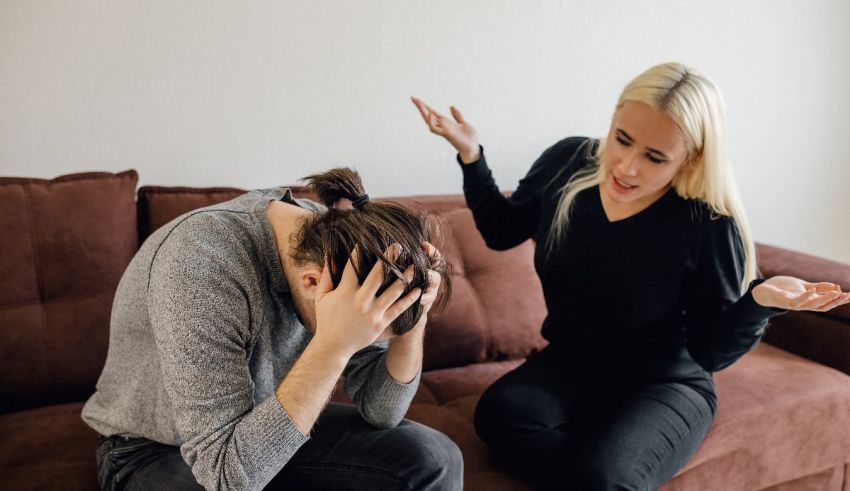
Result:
[
  {"x": 325, "y": 283},
  {"x": 376, "y": 275},
  {"x": 349, "y": 275},
  {"x": 401, "y": 305},
  {"x": 391, "y": 294},
  {"x": 430, "y": 293}
]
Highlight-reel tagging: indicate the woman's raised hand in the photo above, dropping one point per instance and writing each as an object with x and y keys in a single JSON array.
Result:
[
  {"x": 459, "y": 133},
  {"x": 787, "y": 292}
]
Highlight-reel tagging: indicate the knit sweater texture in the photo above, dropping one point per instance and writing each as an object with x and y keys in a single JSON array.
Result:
[{"x": 203, "y": 329}]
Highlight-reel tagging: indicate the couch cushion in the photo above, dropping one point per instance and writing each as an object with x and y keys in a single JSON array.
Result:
[
  {"x": 47, "y": 448},
  {"x": 779, "y": 417},
  {"x": 65, "y": 243},
  {"x": 503, "y": 286}
]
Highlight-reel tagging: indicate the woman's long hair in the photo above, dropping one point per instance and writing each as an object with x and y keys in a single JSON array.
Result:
[
  {"x": 693, "y": 102},
  {"x": 371, "y": 226}
]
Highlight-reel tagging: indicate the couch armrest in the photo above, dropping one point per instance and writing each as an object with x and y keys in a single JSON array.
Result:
[{"x": 822, "y": 337}]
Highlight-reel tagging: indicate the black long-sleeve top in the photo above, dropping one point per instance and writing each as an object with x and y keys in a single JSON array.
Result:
[{"x": 655, "y": 296}]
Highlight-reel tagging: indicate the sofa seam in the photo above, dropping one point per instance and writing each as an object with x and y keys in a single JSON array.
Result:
[{"x": 41, "y": 289}]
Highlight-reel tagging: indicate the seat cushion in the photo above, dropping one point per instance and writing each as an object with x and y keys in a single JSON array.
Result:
[
  {"x": 47, "y": 448},
  {"x": 780, "y": 418}
]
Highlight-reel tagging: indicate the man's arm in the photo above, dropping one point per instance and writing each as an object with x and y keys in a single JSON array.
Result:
[
  {"x": 382, "y": 381},
  {"x": 305, "y": 390},
  {"x": 404, "y": 356}
]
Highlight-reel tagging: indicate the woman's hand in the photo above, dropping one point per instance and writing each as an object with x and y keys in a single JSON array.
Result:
[
  {"x": 459, "y": 133},
  {"x": 787, "y": 292}
]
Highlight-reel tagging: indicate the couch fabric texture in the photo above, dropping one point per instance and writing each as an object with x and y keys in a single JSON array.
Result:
[{"x": 783, "y": 418}]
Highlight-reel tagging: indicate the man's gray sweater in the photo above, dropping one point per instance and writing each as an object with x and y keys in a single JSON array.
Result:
[{"x": 203, "y": 329}]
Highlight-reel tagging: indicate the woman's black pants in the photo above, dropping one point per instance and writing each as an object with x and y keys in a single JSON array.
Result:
[{"x": 562, "y": 428}]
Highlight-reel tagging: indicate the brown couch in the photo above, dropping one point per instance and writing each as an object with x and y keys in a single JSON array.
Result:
[{"x": 783, "y": 420}]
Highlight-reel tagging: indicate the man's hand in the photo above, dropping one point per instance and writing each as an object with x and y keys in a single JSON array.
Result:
[
  {"x": 787, "y": 292},
  {"x": 351, "y": 316},
  {"x": 404, "y": 356}
]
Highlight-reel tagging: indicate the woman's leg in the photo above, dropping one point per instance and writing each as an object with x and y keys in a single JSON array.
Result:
[
  {"x": 530, "y": 418},
  {"x": 642, "y": 439}
]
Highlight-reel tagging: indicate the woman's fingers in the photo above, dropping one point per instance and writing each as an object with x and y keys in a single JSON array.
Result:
[
  {"x": 422, "y": 109},
  {"x": 837, "y": 302},
  {"x": 457, "y": 115},
  {"x": 815, "y": 301},
  {"x": 435, "y": 112},
  {"x": 825, "y": 287}
]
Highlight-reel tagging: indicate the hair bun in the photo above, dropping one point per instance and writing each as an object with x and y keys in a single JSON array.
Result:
[{"x": 341, "y": 182}]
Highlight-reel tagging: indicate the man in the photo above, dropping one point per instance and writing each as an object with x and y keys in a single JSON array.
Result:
[{"x": 232, "y": 325}]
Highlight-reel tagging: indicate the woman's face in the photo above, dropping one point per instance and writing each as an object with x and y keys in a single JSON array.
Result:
[{"x": 643, "y": 153}]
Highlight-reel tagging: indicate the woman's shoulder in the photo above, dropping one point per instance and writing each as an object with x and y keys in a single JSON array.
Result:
[
  {"x": 565, "y": 157},
  {"x": 711, "y": 226},
  {"x": 574, "y": 147}
]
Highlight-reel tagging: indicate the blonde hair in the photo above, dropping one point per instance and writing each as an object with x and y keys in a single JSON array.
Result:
[{"x": 693, "y": 102}]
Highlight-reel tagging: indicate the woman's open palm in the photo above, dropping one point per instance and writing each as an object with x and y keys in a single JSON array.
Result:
[
  {"x": 458, "y": 132},
  {"x": 787, "y": 292}
]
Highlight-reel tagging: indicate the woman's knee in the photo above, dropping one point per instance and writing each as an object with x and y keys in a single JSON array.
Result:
[{"x": 607, "y": 474}]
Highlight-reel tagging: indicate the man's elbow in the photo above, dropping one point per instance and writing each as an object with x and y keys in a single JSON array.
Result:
[{"x": 382, "y": 420}]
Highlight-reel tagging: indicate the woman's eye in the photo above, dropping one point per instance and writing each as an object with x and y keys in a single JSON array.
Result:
[
  {"x": 622, "y": 142},
  {"x": 656, "y": 160}
]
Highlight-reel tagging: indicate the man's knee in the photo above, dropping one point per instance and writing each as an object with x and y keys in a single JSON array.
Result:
[{"x": 435, "y": 460}]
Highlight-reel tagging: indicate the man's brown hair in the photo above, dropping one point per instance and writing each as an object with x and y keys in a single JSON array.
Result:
[{"x": 371, "y": 226}]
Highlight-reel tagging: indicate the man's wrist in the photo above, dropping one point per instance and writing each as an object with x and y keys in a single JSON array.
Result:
[{"x": 329, "y": 351}]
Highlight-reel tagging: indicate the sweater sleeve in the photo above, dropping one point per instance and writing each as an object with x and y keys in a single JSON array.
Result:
[
  {"x": 506, "y": 222},
  {"x": 381, "y": 401},
  {"x": 722, "y": 324},
  {"x": 200, "y": 315}
]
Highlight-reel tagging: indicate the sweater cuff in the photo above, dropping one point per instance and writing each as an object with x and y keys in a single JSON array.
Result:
[
  {"x": 749, "y": 304},
  {"x": 395, "y": 392},
  {"x": 476, "y": 171}
]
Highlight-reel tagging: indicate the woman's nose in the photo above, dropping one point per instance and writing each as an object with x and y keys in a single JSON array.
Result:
[{"x": 629, "y": 164}]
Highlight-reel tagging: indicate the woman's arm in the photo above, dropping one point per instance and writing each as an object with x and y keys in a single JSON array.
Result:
[{"x": 722, "y": 325}]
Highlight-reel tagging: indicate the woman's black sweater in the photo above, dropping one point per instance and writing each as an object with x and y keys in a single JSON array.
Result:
[{"x": 652, "y": 297}]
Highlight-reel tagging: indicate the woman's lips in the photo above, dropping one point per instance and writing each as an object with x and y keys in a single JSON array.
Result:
[{"x": 621, "y": 186}]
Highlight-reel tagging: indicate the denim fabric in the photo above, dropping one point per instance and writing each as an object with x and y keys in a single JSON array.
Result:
[
  {"x": 343, "y": 453},
  {"x": 560, "y": 428}
]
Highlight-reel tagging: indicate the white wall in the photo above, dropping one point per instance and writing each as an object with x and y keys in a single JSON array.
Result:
[{"x": 260, "y": 93}]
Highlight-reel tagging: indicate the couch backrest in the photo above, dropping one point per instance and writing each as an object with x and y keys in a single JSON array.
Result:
[{"x": 65, "y": 243}]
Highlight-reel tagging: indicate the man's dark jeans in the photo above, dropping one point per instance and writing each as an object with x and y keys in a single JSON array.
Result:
[{"x": 344, "y": 452}]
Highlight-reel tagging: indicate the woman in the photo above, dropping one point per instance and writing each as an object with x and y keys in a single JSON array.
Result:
[{"x": 649, "y": 275}]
